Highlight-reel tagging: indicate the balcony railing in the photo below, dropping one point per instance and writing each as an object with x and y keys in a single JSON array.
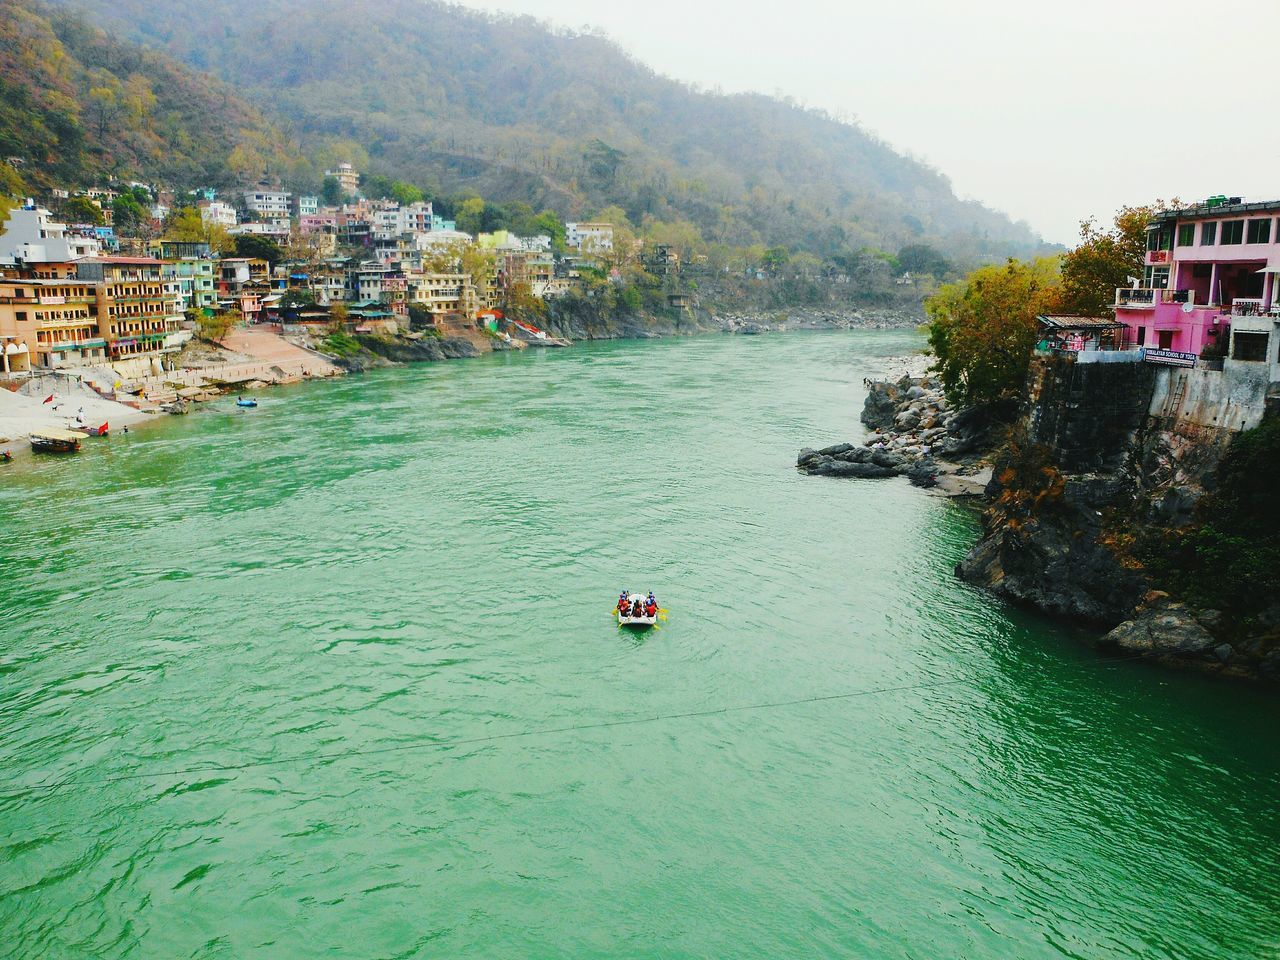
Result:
[
  {"x": 1252, "y": 307},
  {"x": 1149, "y": 297}
]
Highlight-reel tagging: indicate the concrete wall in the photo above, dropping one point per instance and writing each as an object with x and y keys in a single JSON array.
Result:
[{"x": 1233, "y": 398}]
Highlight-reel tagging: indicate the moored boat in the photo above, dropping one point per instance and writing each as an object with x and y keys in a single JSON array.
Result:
[{"x": 57, "y": 441}]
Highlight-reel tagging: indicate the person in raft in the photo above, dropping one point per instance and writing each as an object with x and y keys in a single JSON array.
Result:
[
  {"x": 623, "y": 605},
  {"x": 651, "y": 606}
]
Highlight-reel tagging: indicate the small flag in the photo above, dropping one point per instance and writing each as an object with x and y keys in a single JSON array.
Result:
[
  {"x": 103, "y": 429},
  {"x": 49, "y": 398}
]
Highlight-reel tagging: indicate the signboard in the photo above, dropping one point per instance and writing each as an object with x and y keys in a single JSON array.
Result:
[{"x": 1169, "y": 358}]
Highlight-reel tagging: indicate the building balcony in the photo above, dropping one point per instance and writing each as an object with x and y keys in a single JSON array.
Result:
[{"x": 1252, "y": 307}]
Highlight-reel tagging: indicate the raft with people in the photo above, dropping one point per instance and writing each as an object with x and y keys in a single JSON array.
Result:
[{"x": 638, "y": 612}]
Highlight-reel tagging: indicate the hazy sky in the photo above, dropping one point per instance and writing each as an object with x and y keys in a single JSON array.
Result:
[{"x": 1049, "y": 112}]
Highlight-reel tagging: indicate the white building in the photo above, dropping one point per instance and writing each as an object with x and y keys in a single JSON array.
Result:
[
  {"x": 215, "y": 211},
  {"x": 308, "y": 206},
  {"x": 32, "y": 235},
  {"x": 274, "y": 230},
  {"x": 589, "y": 237},
  {"x": 267, "y": 204}
]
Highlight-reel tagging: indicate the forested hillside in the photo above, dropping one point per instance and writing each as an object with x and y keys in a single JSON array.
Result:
[
  {"x": 77, "y": 104},
  {"x": 453, "y": 100}
]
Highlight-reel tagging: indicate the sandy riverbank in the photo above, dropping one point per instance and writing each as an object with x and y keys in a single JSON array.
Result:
[{"x": 22, "y": 414}]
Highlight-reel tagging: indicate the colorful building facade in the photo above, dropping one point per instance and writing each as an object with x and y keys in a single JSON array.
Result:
[{"x": 1209, "y": 284}]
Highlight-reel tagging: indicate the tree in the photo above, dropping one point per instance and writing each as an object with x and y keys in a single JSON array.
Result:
[
  {"x": 298, "y": 297},
  {"x": 331, "y": 192},
  {"x": 983, "y": 329},
  {"x": 259, "y": 248},
  {"x": 1105, "y": 260},
  {"x": 420, "y": 317},
  {"x": 922, "y": 258},
  {"x": 187, "y": 224},
  {"x": 82, "y": 210},
  {"x": 127, "y": 214},
  {"x": 470, "y": 215},
  {"x": 775, "y": 259},
  {"x": 214, "y": 328},
  {"x": 549, "y": 222},
  {"x": 337, "y": 318}
]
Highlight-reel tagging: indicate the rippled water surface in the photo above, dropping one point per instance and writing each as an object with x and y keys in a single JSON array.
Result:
[{"x": 356, "y": 569}]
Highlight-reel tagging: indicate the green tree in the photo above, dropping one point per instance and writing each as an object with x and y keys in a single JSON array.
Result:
[
  {"x": 1105, "y": 260},
  {"x": 983, "y": 329},
  {"x": 214, "y": 328},
  {"x": 298, "y": 297},
  {"x": 331, "y": 192},
  {"x": 470, "y": 215},
  {"x": 259, "y": 248},
  {"x": 549, "y": 222},
  {"x": 82, "y": 210},
  {"x": 127, "y": 214}
]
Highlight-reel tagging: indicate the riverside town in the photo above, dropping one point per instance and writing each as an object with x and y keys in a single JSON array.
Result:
[{"x": 476, "y": 484}]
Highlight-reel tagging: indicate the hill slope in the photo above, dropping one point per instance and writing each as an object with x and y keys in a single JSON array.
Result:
[
  {"x": 76, "y": 104},
  {"x": 454, "y": 100}
]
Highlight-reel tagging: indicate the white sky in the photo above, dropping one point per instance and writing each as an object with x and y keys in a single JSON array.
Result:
[{"x": 1049, "y": 112}]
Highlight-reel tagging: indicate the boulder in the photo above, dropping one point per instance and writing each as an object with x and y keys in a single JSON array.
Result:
[{"x": 1163, "y": 627}]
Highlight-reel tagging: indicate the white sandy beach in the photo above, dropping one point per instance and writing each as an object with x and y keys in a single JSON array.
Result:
[{"x": 20, "y": 415}]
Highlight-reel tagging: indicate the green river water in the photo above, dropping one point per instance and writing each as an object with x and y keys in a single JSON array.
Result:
[{"x": 430, "y": 553}]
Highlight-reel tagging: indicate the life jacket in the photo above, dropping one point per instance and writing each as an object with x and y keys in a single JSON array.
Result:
[{"x": 650, "y": 609}]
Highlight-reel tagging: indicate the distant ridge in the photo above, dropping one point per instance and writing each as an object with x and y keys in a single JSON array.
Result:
[{"x": 457, "y": 100}]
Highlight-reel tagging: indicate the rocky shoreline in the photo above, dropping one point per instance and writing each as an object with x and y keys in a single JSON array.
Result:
[{"x": 915, "y": 433}]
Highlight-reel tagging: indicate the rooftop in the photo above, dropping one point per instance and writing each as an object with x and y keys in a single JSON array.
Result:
[
  {"x": 1219, "y": 210},
  {"x": 1063, "y": 322}
]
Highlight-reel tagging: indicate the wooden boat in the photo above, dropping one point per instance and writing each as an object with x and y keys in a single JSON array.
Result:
[
  {"x": 99, "y": 431},
  {"x": 57, "y": 441},
  {"x": 640, "y": 622}
]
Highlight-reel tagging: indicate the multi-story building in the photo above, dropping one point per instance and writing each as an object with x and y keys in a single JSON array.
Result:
[
  {"x": 444, "y": 294},
  {"x": 277, "y": 230},
  {"x": 49, "y": 323},
  {"x": 347, "y": 177},
  {"x": 589, "y": 237},
  {"x": 306, "y": 206},
  {"x": 139, "y": 320},
  {"x": 217, "y": 212},
  {"x": 195, "y": 282},
  {"x": 1209, "y": 282},
  {"x": 264, "y": 204},
  {"x": 31, "y": 235}
]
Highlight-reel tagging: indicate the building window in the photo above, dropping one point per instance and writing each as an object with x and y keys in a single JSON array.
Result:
[
  {"x": 1259, "y": 231},
  {"x": 1166, "y": 339},
  {"x": 1232, "y": 231},
  {"x": 1208, "y": 233},
  {"x": 1142, "y": 335},
  {"x": 1249, "y": 346},
  {"x": 1186, "y": 234}
]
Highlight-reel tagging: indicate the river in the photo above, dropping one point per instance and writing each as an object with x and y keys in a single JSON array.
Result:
[{"x": 311, "y": 594}]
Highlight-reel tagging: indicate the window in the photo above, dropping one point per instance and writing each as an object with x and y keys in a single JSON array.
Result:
[
  {"x": 1142, "y": 335},
  {"x": 1208, "y": 233},
  {"x": 1249, "y": 346},
  {"x": 1166, "y": 339},
  {"x": 1259, "y": 231},
  {"x": 1186, "y": 234},
  {"x": 1232, "y": 231}
]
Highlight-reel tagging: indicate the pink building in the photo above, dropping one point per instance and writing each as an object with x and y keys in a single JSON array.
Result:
[{"x": 1210, "y": 269}]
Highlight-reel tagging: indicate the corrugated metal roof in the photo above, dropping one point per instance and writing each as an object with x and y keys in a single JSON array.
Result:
[{"x": 1061, "y": 322}]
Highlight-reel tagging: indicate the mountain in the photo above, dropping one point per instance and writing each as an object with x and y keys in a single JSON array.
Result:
[
  {"x": 77, "y": 104},
  {"x": 454, "y": 100}
]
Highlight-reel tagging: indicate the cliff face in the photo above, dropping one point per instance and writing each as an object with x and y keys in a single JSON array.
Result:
[{"x": 1087, "y": 477}]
